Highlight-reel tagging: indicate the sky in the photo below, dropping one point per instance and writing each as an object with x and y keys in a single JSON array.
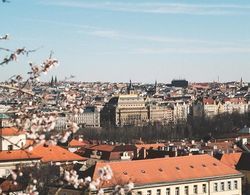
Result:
[{"x": 119, "y": 40}]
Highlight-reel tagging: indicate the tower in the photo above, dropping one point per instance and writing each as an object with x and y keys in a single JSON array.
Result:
[
  {"x": 156, "y": 87},
  {"x": 55, "y": 80},
  {"x": 52, "y": 82},
  {"x": 241, "y": 82},
  {"x": 130, "y": 88}
]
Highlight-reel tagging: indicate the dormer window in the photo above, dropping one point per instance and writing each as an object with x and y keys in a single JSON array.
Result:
[
  {"x": 125, "y": 154},
  {"x": 10, "y": 147}
]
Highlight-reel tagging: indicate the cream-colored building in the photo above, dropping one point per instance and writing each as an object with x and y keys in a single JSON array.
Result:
[
  {"x": 160, "y": 113},
  {"x": 187, "y": 175},
  {"x": 181, "y": 111},
  {"x": 125, "y": 110},
  {"x": 236, "y": 105},
  {"x": 89, "y": 118},
  {"x": 211, "y": 108},
  {"x": 12, "y": 153}
]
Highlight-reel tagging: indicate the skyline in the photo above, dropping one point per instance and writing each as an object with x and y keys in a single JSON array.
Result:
[{"x": 139, "y": 40}]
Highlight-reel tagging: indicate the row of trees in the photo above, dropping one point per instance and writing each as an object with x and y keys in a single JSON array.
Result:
[{"x": 224, "y": 125}]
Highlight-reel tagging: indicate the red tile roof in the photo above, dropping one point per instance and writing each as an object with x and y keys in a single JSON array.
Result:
[
  {"x": 231, "y": 159},
  {"x": 77, "y": 143},
  {"x": 103, "y": 147},
  {"x": 165, "y": 170},
  {"x": 208, "y": 101},
  {"x": 150, "y": 146},
  {"x": 55, "y": 154},
  {"x": 235, "y": 100},
  {"x": 10, "y": 131},
  {"x": 111, "y": 148},
  {"x": 17, "y": 155}
]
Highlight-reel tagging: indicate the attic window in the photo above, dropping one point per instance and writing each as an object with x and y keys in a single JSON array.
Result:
[
  {"x": 214, "y": 164},
  {"x": 191, "y": 166},
  {"x": 177, "y": 168},
  {"x": 143, "y": 171},
  {"x": 125, "y": 173},
  {"x": 160, "y": 169},
  {"x": 203, "y": 165}
]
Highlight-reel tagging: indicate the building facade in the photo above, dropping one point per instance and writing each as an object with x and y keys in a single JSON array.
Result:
[
  {"x": 125, "y": 110},
  {"x": 188, "y": 175}
]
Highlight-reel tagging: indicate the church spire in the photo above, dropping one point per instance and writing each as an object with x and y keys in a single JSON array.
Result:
[
  {"x": 55, "y": 80},
  {"x": 52, "y": 82},
  {"x": 241, "y": 82},
  {"x": 156, "y": 87},
  {"x": 130, "y": 88}
]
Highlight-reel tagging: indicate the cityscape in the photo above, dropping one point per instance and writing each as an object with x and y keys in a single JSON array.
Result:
[{"x": 124, "y": 97}]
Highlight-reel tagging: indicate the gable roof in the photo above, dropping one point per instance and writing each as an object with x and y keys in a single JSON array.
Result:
[
  {"x": 10, "y": 131},
  {"x": 77, "y": 143},
  {"x": 150, "y": 146},
  {"x": 152, "y": 171},
  {"x": 230, "y": 159},
  {"x": 17, "y": 155},
  {"x": 56, "y": 154},
  {"x": 112, "y": 148}
]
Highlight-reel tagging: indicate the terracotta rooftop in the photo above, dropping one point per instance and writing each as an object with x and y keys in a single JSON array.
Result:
[
  {"x": 17, "y": 155},
  {"x": 112, "y": 148},
  {"x": 77, "y": 143},
  {"x": 160, "y": 170},
  {"x": 10, "y": 131},
  {"x": 55, "y": 154},
  {"x": 208, "y": 101},
  {"x": 150, "y": 146},
  {"x": 230, "y": 159}
]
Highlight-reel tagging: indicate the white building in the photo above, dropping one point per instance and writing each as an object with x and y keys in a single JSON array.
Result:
[
  {"x": 186, "y": 175},
  {"x": 89, "y": 118},
  {"x": 12, "y": 153},
  {"x": 181, "y": 111}
]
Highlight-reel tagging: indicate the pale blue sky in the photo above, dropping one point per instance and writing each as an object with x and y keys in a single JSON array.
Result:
[{"x": 140, "y": 40}]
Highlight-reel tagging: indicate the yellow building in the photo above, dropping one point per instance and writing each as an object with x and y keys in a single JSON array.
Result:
[{"x": 125, "y": 110}]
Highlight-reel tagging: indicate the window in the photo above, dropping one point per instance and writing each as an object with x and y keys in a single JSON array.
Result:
[
  {"x": 195, "y": 189},
  {"x": 158, "y": 192},
  {"x": 222, "y": 186},
  {"x": 204, "y": 188},
  {"x": 236, "y": 184},
  {"x": 10, "y": 147},
  {"x": 215, "y": 187},
  {"x": 149, "y": 192},
  {"x": 167, "y": 191},
  {"x": 139, "y": 193},
  {"x": 229, "y": 187},
  {"x": 177, "y": 191},
  {"x": 186, "y": 190}
]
